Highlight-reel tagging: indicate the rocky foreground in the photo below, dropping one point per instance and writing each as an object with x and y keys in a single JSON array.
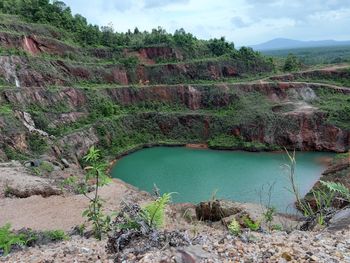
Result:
[{"x": 298, "y": 246}]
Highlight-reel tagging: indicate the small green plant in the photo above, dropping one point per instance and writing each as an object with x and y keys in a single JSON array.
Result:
[
  {"x": 268, "y": 209},
  {"x": 304, "y": 206},
  {"x": 74, "y": 184},
  {"x": 7, "y": 191},
  {"x": 8, "y": 239},
  {"x": 36, "y": 171},
  {"x": 56, "y": 235},
  {"x": 269, "y": 215},
  {"x": 29, "y": 238},
  {"x": 5, "y": 109},
  {"x": 234, "y": 228},
  {"x": 81, "y": 229},
  {"x": 254, "y": 226},
  {"x": 277, "y": 227},
  {"x": 94, "y": 214},
  {"x": 338, "y": 188},
  {"x": 155, "y": 211},
  {"x": 37, "y": 143},
  {"x": 46, "y": 167}
]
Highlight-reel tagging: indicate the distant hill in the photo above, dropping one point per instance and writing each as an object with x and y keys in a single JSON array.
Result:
[{"x": 285, "y": 43}]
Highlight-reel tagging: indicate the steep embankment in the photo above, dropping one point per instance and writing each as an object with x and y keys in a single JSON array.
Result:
[{"x": 115, "y": 118}]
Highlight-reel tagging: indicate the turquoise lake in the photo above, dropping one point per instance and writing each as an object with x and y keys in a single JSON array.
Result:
[{"x": 195, "y": 174}]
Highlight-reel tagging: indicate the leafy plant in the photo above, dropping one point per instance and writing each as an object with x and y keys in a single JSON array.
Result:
[
  {"x": 269, "y": 214},
  {"x": 56, "y": 235},
  {"x": 292, "y": 63},
  {"x": 234, "y": 228},
  {"x": 37, "y": 143},
  {"x": 94, "y": 213},
  {"x": 8, "y": 239},
  {"x": 277, "y": 227},
  {"x": 338, "y": 188},
  {"x": 323, "y": 201},
  {"x": 254, "y": 226},
  {"x": 46, "y": 167},
  {"x": 155, "y": 211},
  {"x": 268, "y": 209},
  {"x": 304, "y": 206}
]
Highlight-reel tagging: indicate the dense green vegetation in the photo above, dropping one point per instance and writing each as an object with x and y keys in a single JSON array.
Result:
[
  {"x": 292, "y": 63},
  {"x": 59, "y": 15},
  {"x": 316, "y": 55},
  {"x": 336, "y": 106},
  {"x": 340, "y": 78},
  {"x": 230, "y": 142}
]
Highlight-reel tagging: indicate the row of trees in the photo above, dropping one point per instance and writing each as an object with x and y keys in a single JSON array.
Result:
[{"x": 58, "y": 14}]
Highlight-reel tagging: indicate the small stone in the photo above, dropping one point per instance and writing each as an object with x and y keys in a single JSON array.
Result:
[
  {"x": 314, "y": 258},
  {"x": 85, "y": 250},
  {"x": 287, "y": 256}
]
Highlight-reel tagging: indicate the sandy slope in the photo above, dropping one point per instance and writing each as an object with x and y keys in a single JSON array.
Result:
[{"x": 60, "y": 212}]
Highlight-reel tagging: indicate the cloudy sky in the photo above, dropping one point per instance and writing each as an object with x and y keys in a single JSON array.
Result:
[{"x": 244, "y": 22}]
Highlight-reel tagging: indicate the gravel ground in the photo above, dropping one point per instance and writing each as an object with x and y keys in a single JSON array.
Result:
[{"x": 278, "y": 246}]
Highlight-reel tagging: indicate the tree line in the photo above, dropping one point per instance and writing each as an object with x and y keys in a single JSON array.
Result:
[{"x": 58, "y": 14}]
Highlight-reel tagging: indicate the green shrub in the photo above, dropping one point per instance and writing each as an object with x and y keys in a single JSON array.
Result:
[
  {"x": 269, "y": 214},
  {"x": 234, "y": 228},
  {"x": 5, "y": 109},
  {"x": 46, "y": 167},
  {"x": 37, "y": 143},
  {"x": 56, "y": 235},
  {"x": 336, "y": 107},
  {"x": 292, "y": 63},
  {"x": 338, "y": 188},
  {"x": 8, "y": 239},
  {"x": 254, "y": 226},
  {"x": 224, "y": 141},
  {"x": 342, "y": 156},
  {"x": 277, "y": 227}
]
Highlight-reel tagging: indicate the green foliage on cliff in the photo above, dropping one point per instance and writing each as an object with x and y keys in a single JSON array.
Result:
[
  {"x": 5, "y": 109},
  {"x": 314, "y": 55},
  {"x": 37, "y": 143},
  {"x": 231, "y": 142},
  {"x": 336, "y": 106}
]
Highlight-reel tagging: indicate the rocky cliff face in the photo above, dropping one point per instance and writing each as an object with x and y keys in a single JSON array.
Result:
[
  {"x": 74, "y": 97},
  {"x": 34, "y": 71},
  {"x": 196, "y": 113}
]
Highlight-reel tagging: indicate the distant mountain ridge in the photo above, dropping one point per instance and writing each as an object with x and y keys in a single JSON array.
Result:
[{"x": 285, "y": 43}]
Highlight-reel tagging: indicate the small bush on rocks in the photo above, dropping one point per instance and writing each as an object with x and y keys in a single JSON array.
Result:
[
  {"x": 135, "y": 234},
  {"x": 234, "y": 227},
  {"x": 254, "y": 226},
  {"x": 56, "y": 235}
]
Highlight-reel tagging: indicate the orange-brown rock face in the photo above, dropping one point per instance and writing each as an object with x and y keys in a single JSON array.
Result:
[{"x": 302, "y": 127}]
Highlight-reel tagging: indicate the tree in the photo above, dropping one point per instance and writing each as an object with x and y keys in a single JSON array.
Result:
[
  {"x": 184, "y": 39},
  {"x": 220, "y": 46},
  {"x": 292, "y": 63}
]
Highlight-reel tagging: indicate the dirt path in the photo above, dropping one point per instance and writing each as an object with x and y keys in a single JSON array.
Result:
[{"x": 61, "y": 212}]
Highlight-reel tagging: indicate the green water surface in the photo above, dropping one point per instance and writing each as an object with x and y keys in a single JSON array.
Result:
[{"x": 194, "y": 174}]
